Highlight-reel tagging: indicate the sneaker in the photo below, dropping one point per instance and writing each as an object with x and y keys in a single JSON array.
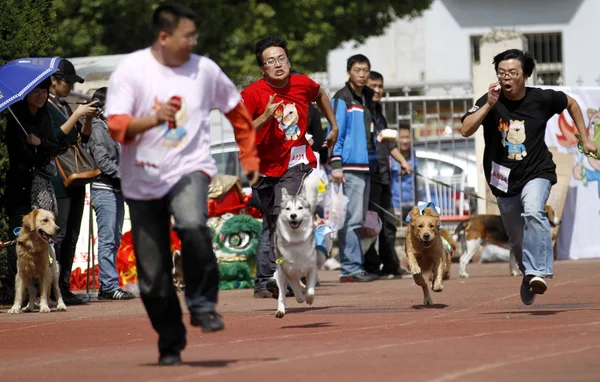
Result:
[
  {"x": 262, "y": 293},
  {"x": 274, "y": 289},
  {"x": 169, "y": 359},
  {"x": 71, "y": 298},
  {"x": 399, "y": 273},
  {"x": 538, "y": 285},
  {"x": 331, "y": 264},
  {"x": 208, "y": 321},
  {"x": 527, "y": 296},
  {"x": 362, "y": 277},
  {"x": 117, "y": 294}
]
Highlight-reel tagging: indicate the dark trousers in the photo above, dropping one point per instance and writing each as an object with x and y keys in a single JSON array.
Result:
[
  {"x": 150, "y": 228},
  {"x": 268, "y": 190},
  {"x": 70, "y": 213},
  {"x": 380, "y": 200}
]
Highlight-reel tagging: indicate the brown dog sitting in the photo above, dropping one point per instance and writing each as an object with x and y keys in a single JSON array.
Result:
[
  {"x": 425, "y": 251},
  {"x": 36, "y": 258}
]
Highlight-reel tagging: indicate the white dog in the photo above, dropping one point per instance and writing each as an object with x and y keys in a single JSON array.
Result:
[{"x": 295, "y": 249}]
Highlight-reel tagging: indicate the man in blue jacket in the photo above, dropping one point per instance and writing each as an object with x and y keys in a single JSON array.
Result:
[{"x": 350, "y": 163}]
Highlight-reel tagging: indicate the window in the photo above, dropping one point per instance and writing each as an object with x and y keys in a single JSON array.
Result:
[
  {"x": 546, "y": 48},
  {"x": 475, "y": 52}
]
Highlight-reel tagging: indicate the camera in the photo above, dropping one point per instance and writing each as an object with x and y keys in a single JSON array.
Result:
[{"x": 99, "y": 106}]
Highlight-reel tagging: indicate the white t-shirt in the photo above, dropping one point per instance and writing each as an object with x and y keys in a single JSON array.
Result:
[{"x": 157, "y": 159}]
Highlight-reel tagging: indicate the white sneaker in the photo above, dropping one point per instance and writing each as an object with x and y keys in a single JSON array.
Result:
[
  {"x": 331, "y": 264},
  {"x": 538, "y": 285}
]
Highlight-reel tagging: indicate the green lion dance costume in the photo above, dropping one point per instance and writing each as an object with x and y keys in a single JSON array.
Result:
[{"x": 235, "y": 239}]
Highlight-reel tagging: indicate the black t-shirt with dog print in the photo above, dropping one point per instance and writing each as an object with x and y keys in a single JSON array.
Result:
[{"x": 514, "y": 133}]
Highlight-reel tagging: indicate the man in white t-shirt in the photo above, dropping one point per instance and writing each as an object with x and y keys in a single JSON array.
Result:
[{"x": 158, "y": 106}]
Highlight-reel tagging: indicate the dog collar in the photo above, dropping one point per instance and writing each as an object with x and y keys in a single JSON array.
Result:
[
  {"x": 18, "y": 229},
  {"x": 422, "y": 206}
]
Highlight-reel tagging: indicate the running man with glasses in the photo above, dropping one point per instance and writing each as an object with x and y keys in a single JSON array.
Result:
[
  {"x": 278, "y": 104},
  {"x": 517, "y": 164},
  {"x": 158, "y": 107}
]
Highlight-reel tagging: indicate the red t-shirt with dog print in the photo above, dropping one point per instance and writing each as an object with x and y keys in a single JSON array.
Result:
[{"x": 281, "y": 143}]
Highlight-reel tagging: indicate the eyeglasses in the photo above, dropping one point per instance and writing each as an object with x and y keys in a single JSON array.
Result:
[
  {"x": 272, "y": 61},
  {"x": 190, "y": 39},
  {"x": 501, "y": 75}
]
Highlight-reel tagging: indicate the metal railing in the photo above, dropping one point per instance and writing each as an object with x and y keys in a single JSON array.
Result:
[{"x": 446, "y": 170}]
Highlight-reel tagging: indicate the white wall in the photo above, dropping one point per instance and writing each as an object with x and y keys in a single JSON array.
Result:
[
  {"x": 398, "y": 55},
  {"x": 435, "y": 48}
]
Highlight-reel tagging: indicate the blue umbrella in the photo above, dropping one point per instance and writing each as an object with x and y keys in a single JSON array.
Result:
[{"x": 19, "y": 77}]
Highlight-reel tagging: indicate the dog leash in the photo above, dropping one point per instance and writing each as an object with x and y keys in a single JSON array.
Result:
[
  {"x": 399, "y": 220},
  {"x": 580, "y": 148},
  {"x": 7, "y": 244}
]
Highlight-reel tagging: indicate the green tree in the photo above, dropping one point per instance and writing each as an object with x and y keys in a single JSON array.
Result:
[
  {"x": 229, "y": 29},
  {"x": 26, "y": 30}
]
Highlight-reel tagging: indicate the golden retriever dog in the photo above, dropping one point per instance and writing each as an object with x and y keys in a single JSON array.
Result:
[
  {"x": 425, "y": 251},
  {"x": 36, "y": 258}
]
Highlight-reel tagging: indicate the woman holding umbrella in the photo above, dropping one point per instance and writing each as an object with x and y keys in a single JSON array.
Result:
[{"x": 31, "y": 144}]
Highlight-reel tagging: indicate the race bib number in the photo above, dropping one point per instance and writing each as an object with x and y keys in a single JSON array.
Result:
[
  {"x": 297, "y": 156},
  {"x": 499, "y": 176}
]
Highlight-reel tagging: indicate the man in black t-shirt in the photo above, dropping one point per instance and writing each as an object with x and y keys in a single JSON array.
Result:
[{"x": 517, "y": 163}]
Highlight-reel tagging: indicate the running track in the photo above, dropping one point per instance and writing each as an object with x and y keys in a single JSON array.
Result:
[{"x": 477, "y": 331}]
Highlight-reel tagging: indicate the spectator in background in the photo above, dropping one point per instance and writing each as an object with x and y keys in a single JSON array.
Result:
[
  {"x": 380, "y": 194},
  {"x": 107, "y": 201},
  {"x": 404, "y": 183},
  {"x": 350, "y": 163},
  {"x": 71, "y": 201}
]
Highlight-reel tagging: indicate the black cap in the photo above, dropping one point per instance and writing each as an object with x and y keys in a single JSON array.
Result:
[{"x": 66, "y": 70}]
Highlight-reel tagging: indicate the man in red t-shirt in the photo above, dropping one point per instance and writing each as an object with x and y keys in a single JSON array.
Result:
[{"x": 278, "y": 104}]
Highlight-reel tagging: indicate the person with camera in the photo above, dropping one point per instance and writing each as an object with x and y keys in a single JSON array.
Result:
[
  {"x": 70, "y": 200},
  {"x": 107, "y": 202}
]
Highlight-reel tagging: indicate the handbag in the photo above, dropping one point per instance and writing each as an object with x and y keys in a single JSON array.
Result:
[
  {"x": 42, "y": 192},
  {"x": 76, "y": 167}
]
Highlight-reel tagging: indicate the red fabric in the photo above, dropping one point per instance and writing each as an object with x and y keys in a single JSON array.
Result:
[
  {"x": 117, "y": 127},
  {"x": 231, "y": 202},
  {"x": 79, "y": 279},
  {"x": 273, "y": 148},
  {"x": 245, "y": 136}
]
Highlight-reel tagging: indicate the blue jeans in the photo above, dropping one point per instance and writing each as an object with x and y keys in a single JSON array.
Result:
[
  {"x": 356, "y": 189},
  {"x": 528, "y": 228},
  {"x": 110, "y": 211}
]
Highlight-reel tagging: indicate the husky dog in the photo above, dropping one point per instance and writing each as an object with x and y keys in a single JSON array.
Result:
[{"x": 295, "y": 249}]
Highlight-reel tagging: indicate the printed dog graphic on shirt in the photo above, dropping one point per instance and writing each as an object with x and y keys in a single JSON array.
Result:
[
  {"x": 176, "y": 135},
  {"x": 287, "y": 116},
  {"x": 515, "y": 136},
  {"x": 580, "y": 171}
]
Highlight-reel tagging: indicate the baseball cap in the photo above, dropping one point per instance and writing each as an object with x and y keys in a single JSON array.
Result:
[{"x": 66, "y": 70}]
